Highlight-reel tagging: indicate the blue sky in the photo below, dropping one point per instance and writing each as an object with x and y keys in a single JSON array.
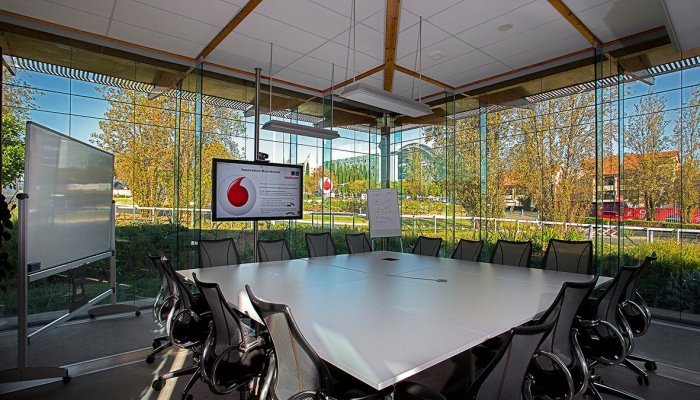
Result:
[{"x": 79, "y": 115}]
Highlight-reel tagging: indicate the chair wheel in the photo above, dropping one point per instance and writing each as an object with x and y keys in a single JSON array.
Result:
[
  {"x": 92, "y": 316},
  {"x": 66, "y": 379},
  {"x": 157, "y": 385},
  {"x": 138, "y": 313},
  {"x": 150, "y": 358},
  {"x": 650, "y": 366}
]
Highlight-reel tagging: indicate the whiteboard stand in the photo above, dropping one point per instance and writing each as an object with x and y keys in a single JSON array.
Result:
[
  {"x": 113, "y": 307},
  {"x": 22, "y": 372},
  {"x": 383, "y": 215}
]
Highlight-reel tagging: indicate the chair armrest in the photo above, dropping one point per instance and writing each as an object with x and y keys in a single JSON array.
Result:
[{"x": 415, "y": 391}]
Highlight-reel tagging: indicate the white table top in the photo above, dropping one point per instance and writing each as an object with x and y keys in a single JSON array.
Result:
[{"x": 383, "y": 321}]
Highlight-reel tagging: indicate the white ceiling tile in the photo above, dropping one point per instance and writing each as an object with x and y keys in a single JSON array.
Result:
[
  {"x": 156, "y": 40},
  {"x": 547, "y": 51},
  {"x": 368, "y": 42},
  {"x": 268, "y": 30},
  {"x": 535, "y": 38},
  {"x": 470, "y": 13},
  {"x": 58, "y": 14},
  {"x": 427, "y": 8},
  {"x": 458, "y": 64},
  {"x": 212, "y": 12},
  {"x": 523, "y": 19},
  {"x": 451, "y": 47},
  {"x": 305, "y": 15},
  {"x": 408, "y": 38},
  {"x": 246, "y": 53},
  {"x": 332, "y": 52},
  {"x": 301, "y": 78},
  {"x": 619, "y": 18},
  {"x": 473, "y": 75},
  {"x": 376, "y": 21},
  {"x": 581, "y": 5},
  {"x": 156, "y": 20},
  {"x": 363, "y": 8},
  {"x": 684, "y": 14},
  {"x": 103, "y": 8}
]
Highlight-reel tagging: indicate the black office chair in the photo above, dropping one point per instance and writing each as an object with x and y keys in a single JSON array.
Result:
[
  {"x": 162, "y": 308},
  {"x": 273, "y": 250},
  {"x": 606, "y": 337},
  {"x": 426, "y": 246},
  {"x": 357, "y": 243},
  {"x": 468, "y": 250},
  {"x": 232, "y": 357},
  {"x": 296, "y": 371},
  {"x": 638, "y": 316},
  {"x": 508, "y": 252},
  {"x": 320, "y": 244},
  {"x": 505, "y": 377},
  {"x": 188, "y": 326},
  {"x": 569, "y": 256},
  {"x": 216, "y": 253},
  {"x": 568, "y": 374}
]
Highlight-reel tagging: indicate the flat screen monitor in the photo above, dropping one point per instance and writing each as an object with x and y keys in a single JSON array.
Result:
[{"x": 248, "y": 191}]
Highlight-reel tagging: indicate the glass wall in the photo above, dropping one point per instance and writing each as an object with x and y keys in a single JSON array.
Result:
[{"x": 598, "y": 152}]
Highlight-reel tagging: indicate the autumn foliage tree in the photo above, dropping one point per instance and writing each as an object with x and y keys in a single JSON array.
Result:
[{"x": 155, "y": 152}]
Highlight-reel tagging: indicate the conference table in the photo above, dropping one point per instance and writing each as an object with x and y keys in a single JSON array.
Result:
[{"x": 384, "y": 316}]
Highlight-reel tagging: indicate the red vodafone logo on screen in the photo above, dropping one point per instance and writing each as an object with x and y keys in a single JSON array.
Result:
[{"x": 236, "y": 195}]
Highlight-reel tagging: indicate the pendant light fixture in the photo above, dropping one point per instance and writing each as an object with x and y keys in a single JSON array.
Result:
[
  {"x": 292, "y": 128},
  {"x": 380, "y": 98}
]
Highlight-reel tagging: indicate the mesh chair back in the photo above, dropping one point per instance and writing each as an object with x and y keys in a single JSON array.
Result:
[
  {"x": 164, "y": 300},
  {"x": 503, "y": 378},
  {"x": 298, "y": 367},
  {"x": 569, "y": 256},
  {"x": 426, "y": 246},
  {"x": 636, "y": 311},
  {"x": 468, "y": 250},
  {"x": 225, "y": 366},
  {"x": 559, "y": 340},
  {"x": 631, "y": 292},
  {"x": 357, "y": 243},
  {"x": 320, "y": 244},
  {"x": 606, "y": 306},
  {"x": 517, "y": 254},
  {"x": 216, "y": 253},
  {"x": 180, "y": 290},
  {"x": 273, "y": 250}
]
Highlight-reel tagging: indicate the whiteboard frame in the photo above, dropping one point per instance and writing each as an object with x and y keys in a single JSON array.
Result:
[
  {"x": 56, "y": 269},
  {"x": 369, "y": 214}
]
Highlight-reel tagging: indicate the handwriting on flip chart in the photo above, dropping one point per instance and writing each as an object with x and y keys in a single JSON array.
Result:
[{"x": 383, "y": 213}]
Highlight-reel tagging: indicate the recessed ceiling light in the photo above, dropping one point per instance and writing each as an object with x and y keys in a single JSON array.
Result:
[
  {"x": 436, "y": 55},
  {"x": 505, "y": 27}
]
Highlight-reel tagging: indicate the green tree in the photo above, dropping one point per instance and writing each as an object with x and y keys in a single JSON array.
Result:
[
  {"x": 687, "y": 138},
  {"x": 18, "y": 98},
  {"x": 142, "y": 133},
  {"x": 649, "y": 172}
]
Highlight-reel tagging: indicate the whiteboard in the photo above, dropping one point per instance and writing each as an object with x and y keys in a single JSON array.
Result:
[
  {"x": 383, "y": 213},
  {"x": 69, "y": 184}
]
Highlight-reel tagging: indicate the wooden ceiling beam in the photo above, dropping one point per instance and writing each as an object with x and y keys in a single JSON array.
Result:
[
  {"x": 566, "y": 12},
  {"x": 226, "y": 30},
  {"x": 423, "y": 77},
  {"x": 356, "y": 78},
  {"x": 391, "y": 38}
]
